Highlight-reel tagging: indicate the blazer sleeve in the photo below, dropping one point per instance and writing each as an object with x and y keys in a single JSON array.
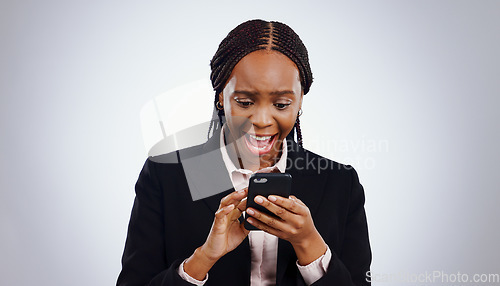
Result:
[
  {"x": 144, "y": 258},
  {"x": 349, "y": 267}
]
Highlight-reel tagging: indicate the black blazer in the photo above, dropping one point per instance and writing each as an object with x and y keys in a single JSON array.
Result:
[{"x": 166, "y": 225}]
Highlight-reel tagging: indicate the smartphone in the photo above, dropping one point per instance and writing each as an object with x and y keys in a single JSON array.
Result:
[{"x": 266, "y": 184}]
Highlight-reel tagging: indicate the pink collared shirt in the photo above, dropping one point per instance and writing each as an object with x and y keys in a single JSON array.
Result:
[{"x": 264, "y": 246}]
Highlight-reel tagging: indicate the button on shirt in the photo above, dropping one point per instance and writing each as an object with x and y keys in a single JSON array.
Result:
[{"x": 264, "y": 246}]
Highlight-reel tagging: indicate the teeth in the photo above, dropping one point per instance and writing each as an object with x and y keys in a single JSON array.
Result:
[{"x": 260, "y": 138}]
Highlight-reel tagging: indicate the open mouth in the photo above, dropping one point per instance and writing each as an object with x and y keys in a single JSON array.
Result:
[{"x": 260, "y": 145}]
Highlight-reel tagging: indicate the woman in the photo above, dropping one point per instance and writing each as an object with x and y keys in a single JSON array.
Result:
[{"x": 260, "y": 74}]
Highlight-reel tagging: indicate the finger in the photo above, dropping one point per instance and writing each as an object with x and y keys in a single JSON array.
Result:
[
  {"x": 262, "y": 226},
  {"x": 239, "y": 206},
  {"x": 221, "y": 221},
  {"x": 297, "y": 199},
  {"x": 243, "y": 229},
  {"x": 238, "y": 209},
  {"x": 289, "y": 204},
  {"x": 222, "y": 212},
  {"x": 242, "y": 205},
  {"x": 233, "y": 198},
  {"x": 275, "y": 209},
  {"x": 269, "y": 221},
  {"x": 235, "y": 214}
]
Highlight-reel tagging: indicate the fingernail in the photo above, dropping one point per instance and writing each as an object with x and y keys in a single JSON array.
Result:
[
  {"x": 272, "y": 198},
  {"x": 259, "y": 200},
  {"x": 241, "y": 191},
  {"x": 250, "y": 212}
]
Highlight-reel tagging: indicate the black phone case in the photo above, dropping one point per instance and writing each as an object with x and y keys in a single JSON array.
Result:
[{"x": 266, "y": 184}]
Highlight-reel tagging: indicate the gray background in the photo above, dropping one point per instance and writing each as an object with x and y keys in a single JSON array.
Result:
[{"x": 406, "y": 91}]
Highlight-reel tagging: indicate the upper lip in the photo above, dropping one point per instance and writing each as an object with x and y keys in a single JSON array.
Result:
[{"x": 261, "y": 135}]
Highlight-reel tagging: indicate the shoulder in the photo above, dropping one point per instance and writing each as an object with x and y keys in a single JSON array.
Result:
[
  {"x": 336, "y": 173},
  {"x": 174, "y": 157},
  {"x": 164, "y": 176},
  {"x": 311, "y": 163},
  {"x": 326, "y": 163},
  {"x": 169, "y": 164}
]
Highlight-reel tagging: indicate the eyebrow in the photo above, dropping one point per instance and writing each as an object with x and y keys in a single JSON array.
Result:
[
  {"x": 282, "y": 92},
  {"x": 254, "y": 93},
  {"x": 246, "y": 92}
]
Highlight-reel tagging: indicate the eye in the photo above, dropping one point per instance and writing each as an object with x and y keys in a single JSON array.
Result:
[
  {"x": 281, "y": 105},
  {"x": 243, "y": 103}
]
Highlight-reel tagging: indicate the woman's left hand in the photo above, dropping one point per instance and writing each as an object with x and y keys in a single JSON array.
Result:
[{"x": 294, "y": 224}]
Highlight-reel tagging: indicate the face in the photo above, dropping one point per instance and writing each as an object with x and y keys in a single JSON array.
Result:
[{"x": 261, "y": 100}]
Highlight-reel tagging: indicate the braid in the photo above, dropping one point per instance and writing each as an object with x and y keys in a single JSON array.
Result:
[
  {"x": 299, "y": 132},
  {"x": 288, "y": 43},
  {"x": 256, "y": 35}
]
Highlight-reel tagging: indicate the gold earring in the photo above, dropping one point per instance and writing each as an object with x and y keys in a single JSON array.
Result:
[
  {"x": 219, "y": 106},
  {"x": 300, "y": 113}
]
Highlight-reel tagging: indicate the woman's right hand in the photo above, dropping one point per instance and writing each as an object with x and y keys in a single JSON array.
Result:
[
  {"x": 226, "y": 232},
  {"x": 225, "y": 235}
]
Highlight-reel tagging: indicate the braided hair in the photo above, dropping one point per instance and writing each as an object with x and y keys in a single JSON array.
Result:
[{"x": 251, "y": 36}]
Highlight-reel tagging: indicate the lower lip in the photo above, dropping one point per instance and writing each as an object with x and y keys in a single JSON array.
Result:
[{"x": 260, "y": 151}]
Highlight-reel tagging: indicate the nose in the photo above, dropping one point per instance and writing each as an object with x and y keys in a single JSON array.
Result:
[{"x": 262, "y": 118}]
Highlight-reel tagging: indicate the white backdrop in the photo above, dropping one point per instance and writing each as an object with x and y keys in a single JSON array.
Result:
[{"x": 406, "y": 91}]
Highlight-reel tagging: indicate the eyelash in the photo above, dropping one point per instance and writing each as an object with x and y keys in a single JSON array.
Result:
[
  {"x": 281, "y": 106},
  {"x": 246, "y": 104}
]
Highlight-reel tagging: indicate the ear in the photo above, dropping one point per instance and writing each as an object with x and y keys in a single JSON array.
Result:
[
  {"x": 221, "y": 98},
  {"x": 301, "y": 97}
]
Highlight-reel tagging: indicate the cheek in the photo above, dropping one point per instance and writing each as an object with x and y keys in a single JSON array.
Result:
[
  {"x": 286, "y": 123},
  {"x": 237, "y": 122},
  {"x": 231, "y": 108}
]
